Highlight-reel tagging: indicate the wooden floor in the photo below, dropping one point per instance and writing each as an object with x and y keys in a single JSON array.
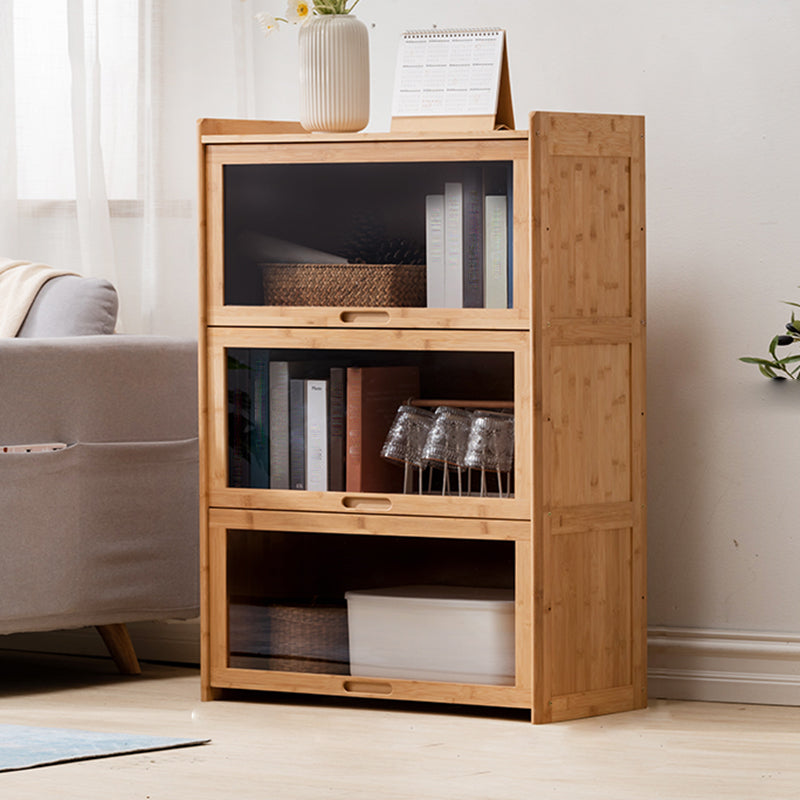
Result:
[{"x": 300, "y": 748}]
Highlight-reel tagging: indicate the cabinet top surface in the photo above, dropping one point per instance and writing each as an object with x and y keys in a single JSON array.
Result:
[{"x": 219, "y": 131}]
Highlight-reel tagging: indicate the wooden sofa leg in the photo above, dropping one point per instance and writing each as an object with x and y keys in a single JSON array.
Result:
[{"x": 119, "y": 644}]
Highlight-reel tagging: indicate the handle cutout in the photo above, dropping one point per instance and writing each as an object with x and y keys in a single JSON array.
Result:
[
  {"x": 367, "y": 687},
  {"x": 367, "y": 503},
  {"x": 366, "y": 317}
]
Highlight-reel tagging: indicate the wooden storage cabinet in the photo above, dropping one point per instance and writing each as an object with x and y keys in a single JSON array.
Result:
[{"x": 566, "y": 537}]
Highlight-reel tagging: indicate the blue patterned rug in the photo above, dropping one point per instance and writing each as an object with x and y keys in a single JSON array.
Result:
[{"x": 23, "y": 747}]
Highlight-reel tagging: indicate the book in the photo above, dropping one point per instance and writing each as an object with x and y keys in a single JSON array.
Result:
[
  {"x": 259, "y": 426},
  {"x": 297, "y": 433},
  {"x": 472, "y": 240},
  {"x": 434, "y": 249},
  {"x": 510, "y": 235},
  {"x": 316, "y": 435},
  {"x": 280, "y": 374},
  {"x": 239, "y": 409},
  {"x": 373, "y": 396},
  {"x": 496, "y": 252},
  {"x": 453, "y": 245},
  {"x": 337, "y": 428}
]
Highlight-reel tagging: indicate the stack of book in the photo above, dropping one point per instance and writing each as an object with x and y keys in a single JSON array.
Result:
[
  {"x": 467, "y": 247},
  {"x": 313, "y": 426}
]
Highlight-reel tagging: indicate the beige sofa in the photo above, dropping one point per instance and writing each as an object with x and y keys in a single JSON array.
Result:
[{"x": 105, "y": 530}]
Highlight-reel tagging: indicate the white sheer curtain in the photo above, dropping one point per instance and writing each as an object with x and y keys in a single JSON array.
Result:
[{"x": 99, "y": 100}]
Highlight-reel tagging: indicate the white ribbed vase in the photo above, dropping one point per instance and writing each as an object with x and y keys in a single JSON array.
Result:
[{"x": 334, "y": 73}]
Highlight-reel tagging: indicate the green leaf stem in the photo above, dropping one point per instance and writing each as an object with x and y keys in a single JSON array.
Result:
[{"x": 333, "y": 6}]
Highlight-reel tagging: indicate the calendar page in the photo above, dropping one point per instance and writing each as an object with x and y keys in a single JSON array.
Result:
[{"x": 448, "y": 72}]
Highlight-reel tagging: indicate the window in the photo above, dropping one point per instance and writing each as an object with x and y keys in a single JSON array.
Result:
[{"x": 48, "y": 107}]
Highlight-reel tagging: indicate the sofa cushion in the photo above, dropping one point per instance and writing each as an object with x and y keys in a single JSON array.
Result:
[{"x": 72, "y": 305}]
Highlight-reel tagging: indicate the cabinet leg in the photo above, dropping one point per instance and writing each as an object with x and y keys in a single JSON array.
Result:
[{"x": 208, "y": 693}]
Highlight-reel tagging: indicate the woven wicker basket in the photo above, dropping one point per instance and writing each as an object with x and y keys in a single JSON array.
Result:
[
  {"x": 289, "y": 637},
  {"x": 344, "y": 285}
]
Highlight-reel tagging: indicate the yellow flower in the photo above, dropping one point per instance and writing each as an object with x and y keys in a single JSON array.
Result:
[
  {"x": 300, "y": 10},
  {"x": 297, "y": 11}
]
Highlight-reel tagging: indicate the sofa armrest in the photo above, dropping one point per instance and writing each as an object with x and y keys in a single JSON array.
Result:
[
  {"x": 118, "y": 388},
  {"x": 71, "y": 305}
]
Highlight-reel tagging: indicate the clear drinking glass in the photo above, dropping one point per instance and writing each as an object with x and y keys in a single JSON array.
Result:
[
  {"x": 490, "y": 447},
  {"x": 406, "y": 440},
  {"x": 446, "y": 446}
]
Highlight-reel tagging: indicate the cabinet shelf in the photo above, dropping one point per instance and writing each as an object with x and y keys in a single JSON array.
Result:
[
  {"x": 481, "y": 319},
  {"x": 303, "y": 504}
]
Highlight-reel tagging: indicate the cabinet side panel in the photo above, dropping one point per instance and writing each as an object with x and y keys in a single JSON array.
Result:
[
  {"x": 590, "y": 603},
  {"x": 590, "y": 134},
  {"x": 589, "y": 413},
  {"x": 588, "y": 255},
  {"x": 587, "y": 225}
]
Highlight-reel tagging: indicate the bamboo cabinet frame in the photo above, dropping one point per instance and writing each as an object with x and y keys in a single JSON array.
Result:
[{"x": 576, "y": 338}]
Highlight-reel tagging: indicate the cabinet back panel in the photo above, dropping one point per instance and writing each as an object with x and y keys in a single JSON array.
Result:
[
  {"x": 279, "y": 565},
  {"x": 366, "y": 213}
]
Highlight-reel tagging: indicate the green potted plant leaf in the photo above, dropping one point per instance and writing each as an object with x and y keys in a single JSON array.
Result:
[{"x": 781, "y": 367}]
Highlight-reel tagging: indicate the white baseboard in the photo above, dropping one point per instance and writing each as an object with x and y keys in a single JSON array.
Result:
[
  {"x": 683, "y": 663},
  {"x": 724, "y": 666}
]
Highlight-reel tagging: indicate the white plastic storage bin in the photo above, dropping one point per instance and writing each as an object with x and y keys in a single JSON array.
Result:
[{"x": 437, "y": 633}]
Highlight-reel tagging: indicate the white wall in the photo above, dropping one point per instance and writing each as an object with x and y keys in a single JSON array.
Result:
[{"x": 719, "y": 85}]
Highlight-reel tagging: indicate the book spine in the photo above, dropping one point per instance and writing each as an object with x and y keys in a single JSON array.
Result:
[
  {"x": 337, "y": 429},
  {"x": 453, "y": 245},
  {"x": 279, "y": 425},
  {"x": 353, "y": 459},
  {"x": 373, "y": 397},
  {"x": 238, "y": 364},
  {"x": 510, "y": 235},
  {"x": 259, "y": 431},
  {"x": 434, "y": 249},
  {"x": 473, "y": 241},
  {"x": 316, "y": 429},
  {"x": 297, "y": 433},
  {"x": 496, "y": 248}
]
